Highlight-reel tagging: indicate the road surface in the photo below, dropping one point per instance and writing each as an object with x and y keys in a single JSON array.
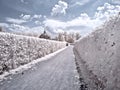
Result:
[{"x": 57, "y": 73}]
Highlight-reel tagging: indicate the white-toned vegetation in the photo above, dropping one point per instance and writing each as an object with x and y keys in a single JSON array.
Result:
[
  {"x": 16, "y": 50},
  {"x": 100, "y": 54}
]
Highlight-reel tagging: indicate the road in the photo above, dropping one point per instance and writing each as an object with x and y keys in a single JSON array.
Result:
[{"x": 57, "y": 73}]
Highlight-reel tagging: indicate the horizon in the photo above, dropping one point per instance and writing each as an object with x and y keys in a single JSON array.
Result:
[{"x": 83, "y": 16}]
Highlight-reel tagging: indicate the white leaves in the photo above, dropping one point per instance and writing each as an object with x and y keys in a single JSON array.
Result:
[{"x": 20, "y": 50}]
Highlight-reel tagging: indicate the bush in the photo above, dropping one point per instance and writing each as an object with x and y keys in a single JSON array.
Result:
[{"x": 1, "y": 29}]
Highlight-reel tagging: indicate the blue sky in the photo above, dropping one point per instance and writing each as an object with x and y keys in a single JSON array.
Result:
[{"x": 33, "y": 16}]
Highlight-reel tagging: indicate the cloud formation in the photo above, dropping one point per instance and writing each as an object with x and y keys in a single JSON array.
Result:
[
  {"x": 25, "y": 29},
  {"x": 16, "y": 21},
  {"x": 30, "y": 17},
  {"x": 25, "y": 17},
  {"x": 4, "y": 25},
  {"x": 78, "y": 24},
  {"x": 79, "y": 3},
  {"x": 104, "y": 12},
  {"x": 35, "y": 19},
  {"x": 22, "y": 1},
  {"x": 116, "y": 1},
  {"x": 84, "y": 23},
  {"x": 36, "y": 16},
  {"x": 59, "y": 8}
]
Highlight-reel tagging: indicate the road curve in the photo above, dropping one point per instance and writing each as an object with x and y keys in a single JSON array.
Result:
[{"x": 57, "y": 73}]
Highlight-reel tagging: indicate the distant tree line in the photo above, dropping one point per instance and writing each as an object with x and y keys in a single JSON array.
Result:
[
  {"x": 64, "y": 36},
  {"x": 68, "y": 37}
]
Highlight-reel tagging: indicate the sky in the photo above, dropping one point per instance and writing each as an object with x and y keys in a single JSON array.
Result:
[{"x": 55, "y": 16}]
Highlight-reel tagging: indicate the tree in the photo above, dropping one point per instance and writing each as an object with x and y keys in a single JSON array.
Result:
[
  {"x": 1, "y": 29},
  {"x": 68, "y": 37},
  {"x": 65, "y": 36},
  {"x": 77, "y": 36},
  {"x": 61, "y": 37},
  {"x": 44, "y": 35},
  {"x": 70, "y": 40}
]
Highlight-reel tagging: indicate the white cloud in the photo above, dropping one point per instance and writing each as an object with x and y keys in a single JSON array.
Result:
[
  {"x": 82, "y": 20},
  {"x": 22, "y": 1},
  {"x": 59, "y": 8},
  {"x": 37, "y": 22},
  {"x": 84, "y": 1},
  {"x": 54, "y": 23},
  {"x": 25, "y": 29},
  {"x": 104, "y": 12},
  {"x": 30, "y": 17},
  {"x": 84, "y": 23},
  {"x": 45, "y": 17},
  {"x": 17, "y": 28},
  {"x": 79, "y": 3},
  {"x": 25, "y": 17},
  {"x": 16, "y": 21},
  {"x": 37, "y": 30},
  {"x": 116, "y": 1},
  {"x": 37, "y": 16},
  {"x": 76, "y": 4},
  {"x": 4, "y": 25}
]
